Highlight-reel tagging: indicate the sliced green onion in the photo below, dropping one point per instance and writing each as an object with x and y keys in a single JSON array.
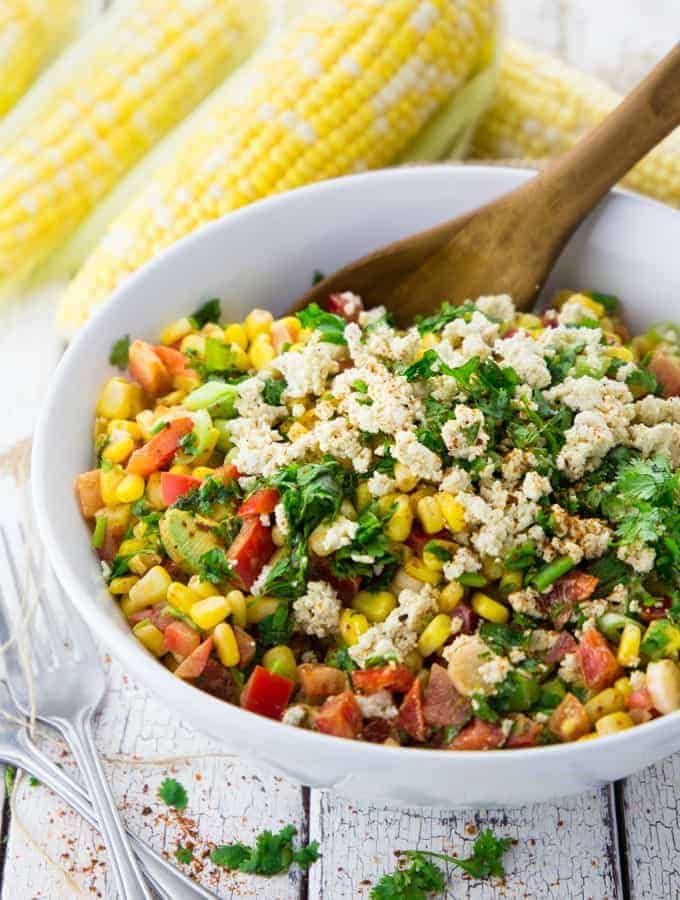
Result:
[
  {"x": 611, "y": 624},
  {"x": 220, "y": 398},
  {"x": 472, "y": 579},
  {"x": 99, "y": 533},
  {"x": 549, "y": 574}
]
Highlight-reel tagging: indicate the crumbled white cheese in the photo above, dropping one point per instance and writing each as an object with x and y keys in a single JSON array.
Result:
[
  {"x": 573, "y": 312},
  {"x": 655, "y": 410},
  {"x": 498, "y": 306},
  {"x": 516, "y": 464},
  {"x": 464, "y": 435},
  {"x": 420, "y": 460},
  {"x": 570, "y": 668},
  {"x": 535, "y": 486},
  {"x": 281, "y": 519},
  {"x": 526, "y": 602},
  {"x": 371, "y": 316},
  {"x": 307, "y": 370},
  {"x": 662, "y": 438},
  {"x": 522, "y": 353},
  {"x": 475, "y": 337},
  {"x": 389, "y": 403},
  {"x": 587, "y": 442},
  {"x": 265, "y": 519},
  {"x": 339, "y": 438},
  {"x": 326, "y": 539},
  {"x": 455, "y": 479},
  {"x": 250, "y": 404},
  {"x": 495, "y": 671},
  {"x": 295, "y": 715},
  {"x": 257, "y": 586},
  {"x": 463, "y": 560},
  {"x": 317, "y": 613},
  {"x": 638, "y": 556},
  {"x": 380, "y": 484},
  {"x": 612, "y": 399},
  {"x": 378, "y": 705}
]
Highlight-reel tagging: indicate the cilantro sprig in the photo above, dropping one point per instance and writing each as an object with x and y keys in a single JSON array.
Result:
[
  {"x": 210, "y": 311},
  {"x": 272, "y": 853},
  {"x": 120, "y": 352},
  {"x": 172, "y": 793},
  {"x": 330, "y": 326}
]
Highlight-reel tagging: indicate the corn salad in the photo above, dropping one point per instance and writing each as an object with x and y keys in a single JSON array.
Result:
[{"x": 462, "y": 535}]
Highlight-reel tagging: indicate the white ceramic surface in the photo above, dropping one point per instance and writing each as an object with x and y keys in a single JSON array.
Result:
[{"x": 264, "y": 255}]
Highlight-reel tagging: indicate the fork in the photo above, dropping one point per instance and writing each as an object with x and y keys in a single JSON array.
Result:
[
  {"x": 69, "y": 686},
  {"x": 17, "y": 749}
]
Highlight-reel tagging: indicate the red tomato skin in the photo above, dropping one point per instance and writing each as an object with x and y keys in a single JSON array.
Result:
[
  {"x": 148, "y": 370},
  {"x": 411, "y": 715},
  {"x": 266, "y": 693},
  {"x": 251, "y": 549},
  {"x": 640, "y": 699},
  {"x": 346, "y": 307},
  {"x": 159, "y": 451},
  {"x": 564, "y": 644},
  {"x": 260, "y": 503},
  {"x": 174, "y": 361},
  {"x": 478, "y": 735},
  {"x": 340, "y": 716},
  {"x": 597, "y": 661},
  {"x": 391, "y": 678},
  {"x": 196, "y": 662},
  {"x": 181, "y": 639},
  {"x": 174, "y": 486}
]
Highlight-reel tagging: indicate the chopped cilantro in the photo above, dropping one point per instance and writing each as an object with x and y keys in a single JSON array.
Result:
[
  {"x": 272, "y": 853},
  {"x": 446, "y": 314},
  {"x": 360, "y": 386},
  {"x": 184, "y": 855},
  {"x": 276, "y": 628},
  {"x": 487, "y": 856},
  {"x": 272, "y": 390},
  {"x": 120, "y": 353},
  {"x": 340, "y": 659},
  {"x": 212, "y": 492},
  {"x": 482, "y": 709},
  {"x": 609, "y": 301},
  {"x": 286, "y": 578},
  {"x": 33, "y": 781},
  {"x": 210, "y": 311},
  {"x": 189, "y": 443},
  {"x": 215, "y": 567},
  {"x": 331, "y": 327},
  {"x": 436, "y": 550},
  {"x": 173, "y": 794},
  {"x": 370, "y": 543}
]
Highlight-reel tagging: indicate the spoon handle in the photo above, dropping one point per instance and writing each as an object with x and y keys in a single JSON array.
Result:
[{"x": 581, "y": 177}]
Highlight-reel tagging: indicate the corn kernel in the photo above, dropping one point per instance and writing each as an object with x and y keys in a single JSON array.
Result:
[
  {"x": 122, "y": 585},
  {"x": 588, "y": 737},
  {"x": 278, "y": 537},
  {"x": 225, "y": 644},
  {"x": 131, "y": 428},
  {"x": 398, "y": 527},
  {"x": 588, "y": 303},
  {"x": 434, "y": 635},
  {"x": 209, "y": 612},
  {"x": 213, "y": 330},
  {"x": 450, "y": 596},
  {"x": 628, "y": 653},
  {"x": 352, "y": 625},
  {"x": 430, "y": 514},
  {"x": 624, "y": 687},
  {"x": 613, "y": 723},
  {"x": 119, "y": 450},
  {"x": 423, "y": 491},
  {"x": 142, "y": 562},
  {"x": 261, "y": 354},
  {"x": 236, "y": 334},
  {"x": 131, "y": 546},
  {"x": 203, "y": 472},
  {"x": 130, "y": 489},
  {"x": 109, "y": 479},
  {"x": 258, "y": 321},
  {"x": 202, "y": 589},
  {"x": 404, "y": 478},
  {"x": 258, "y": 608},
  {"x": 489, "y": 609},
  {"x": 116, "y": 399},
  {"x": 194, "y": 343},
  {"x": 281, "y": 661},
  {"x": 181, "y": 597},
  {"x": 180, "y": 469},
  {"x": 237, "y": 603},
  {"x": 175, "y": 331},
  {"x": 413, "y": 661},
  {"x": 153, "y": 491},
  {"x": 416, "y": 568},
  {"x": 152, "y": 588},
  {"x": 492, "y": 569},
  {"x": 604, "y": 703},
  {"x": 363, "y": 496},
  {"x": 296, "y": 431},
  {"x": 376, "y": 606},
  {"x": 152, "y": 637},
  {"x": 452, "y": 510},
  {"x": 528, "y": 320},
  {"x": 623, "y": 353},
  {"x": 304, "y": 335}
]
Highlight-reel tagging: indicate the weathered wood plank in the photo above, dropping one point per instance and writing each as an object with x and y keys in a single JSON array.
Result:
[
  {"x": 229, "y": 800},
  {"x": 562, "y": 850}
]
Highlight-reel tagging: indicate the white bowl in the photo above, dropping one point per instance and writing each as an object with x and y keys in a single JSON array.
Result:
[{"x": 264, "y": 255}]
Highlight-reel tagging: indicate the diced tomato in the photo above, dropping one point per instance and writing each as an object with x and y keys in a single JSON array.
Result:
[
  {"x": 218, "y": 681},
  {"x": 376, "y": 730},
  {"x": 468, "y": 618},
  {"x": 651, "y": 613},
  {"x": 259, "y": 503},
  {"x": 640, "y": 699},
  {"x": 345, "y": 588},
  {"x": 598, "y": 663},
  {"x": 564, "y": 644},
  {"x": 147, "y": 369},
  {"x": 88, "y": 492},
  {"x": 196, "y": 662},
  {"x": 180, "y": 638},
  {"x": 444, "y": 705},
  {"x": 550, "y": 318},
  {"x": 174, "y": 361},
  {"x": 246, "y": 646},
  {"x": 525, "y": 733},
  {"x": 226, "y": 473},
  {"x": 159, "y": 451},
  {"x": 666, "y": 368},
  {"x": 478, "y": 735},
  {"x": 570, "y": 589},
  {"x": 347, "y": 305},
  {"x": 250, "y": 550},
  {"x": 511, "y": 332},
  {"x": 174, "y": 486},
  {"x": 266, "y": 693},
  {"x": 569, "y": 720},
  {"x": 157, "y": 614},
  {"x": 391, "y": 678},
  {"x": 340, "y": 716},
  {"x": 411, "y": 717},
  {"x": 320, "y": 681},
  {"x": 281, "y": 335}
]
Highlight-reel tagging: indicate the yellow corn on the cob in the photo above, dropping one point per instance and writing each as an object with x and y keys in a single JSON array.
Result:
[
  {"x": 31, "y": 32},
  {"x": 542, "y": 106},
  {"x": 334, "y": 94},
  {"x": 136, "y": 73}
]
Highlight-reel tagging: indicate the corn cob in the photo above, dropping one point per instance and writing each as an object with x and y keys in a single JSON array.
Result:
[
  {"x": 335, "y": 94},
  {"x": 31, "y": 32},
  {"x": 111, "y": 96},
  {"x": 542, "y": 106}
]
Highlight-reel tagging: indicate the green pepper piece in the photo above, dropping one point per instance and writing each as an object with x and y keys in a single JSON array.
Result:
[
  {"x": 217, "y": 397},
  {"x": 517, "y": 693},
  {"x": 611, "y": 624},
  {"x": 661, "y": 640},
  {"x": 552, "y": 694},
  {"x": 472, "y": 579},
  {"x": 219, "y": 357}
]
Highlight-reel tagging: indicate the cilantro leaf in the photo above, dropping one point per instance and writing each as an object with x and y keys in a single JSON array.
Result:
[
  {"x": 272, "y": 853},
  {"x": 272, "y": 390},
  {"x": 340, "y": 659},
  {"x": 369, "y": 543},
  {"x": 173, "y": 794},
  {"x": 331, "y": 327},
  {"x": 210, "y": 311},
  {"x": 212, "y": 492},
  {"x": 287, "y": 577},
  {"x": 276, "y": 628},
  {"x": 436, "y": 550},
  {"x": 184, "y": 854},
  {"x": 120, "y": 353},
  {"x": 215, "y": 567},
  {"x": 421, "y": 878},
  {"x": 446, "y": 314},
  {"x": 487, "y": 856}
]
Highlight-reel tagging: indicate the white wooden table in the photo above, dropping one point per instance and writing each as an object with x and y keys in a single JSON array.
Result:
[{"x": 620, "y": 842}]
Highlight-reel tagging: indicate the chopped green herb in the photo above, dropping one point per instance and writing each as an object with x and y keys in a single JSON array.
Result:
[
  {"x": 272, "y": 390},
  {"x": 212, "y": 492},
  {"x": 317, "y": 277},
  {"x": 340, "y": 659},
  {"x": 446, "y": 314},
  {"x": 331, "y": 327},
  {"x": 436, "y": 550},
  {"x": 189, "y": 443},
  {"x": 482, "y": 709},
  {"x": 210, "y": 311},
  {"x": 120, "y": 353},
  {"x": 272, "y": 853},
  {"x": 184, "y": 854},
  {"x": 173, "y": 794},
  {"x": 33, "y": 781},
  {"x": 215, "y": 566},
  {"x": 276, "y": 628},
  {"x": 99, "y": 533}
]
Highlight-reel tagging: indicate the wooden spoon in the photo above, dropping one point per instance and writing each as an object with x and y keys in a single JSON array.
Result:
[{"x": 510, "y": 245}]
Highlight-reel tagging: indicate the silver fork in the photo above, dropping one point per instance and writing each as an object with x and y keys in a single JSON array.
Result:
[{"x": 69, "y": 686}]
